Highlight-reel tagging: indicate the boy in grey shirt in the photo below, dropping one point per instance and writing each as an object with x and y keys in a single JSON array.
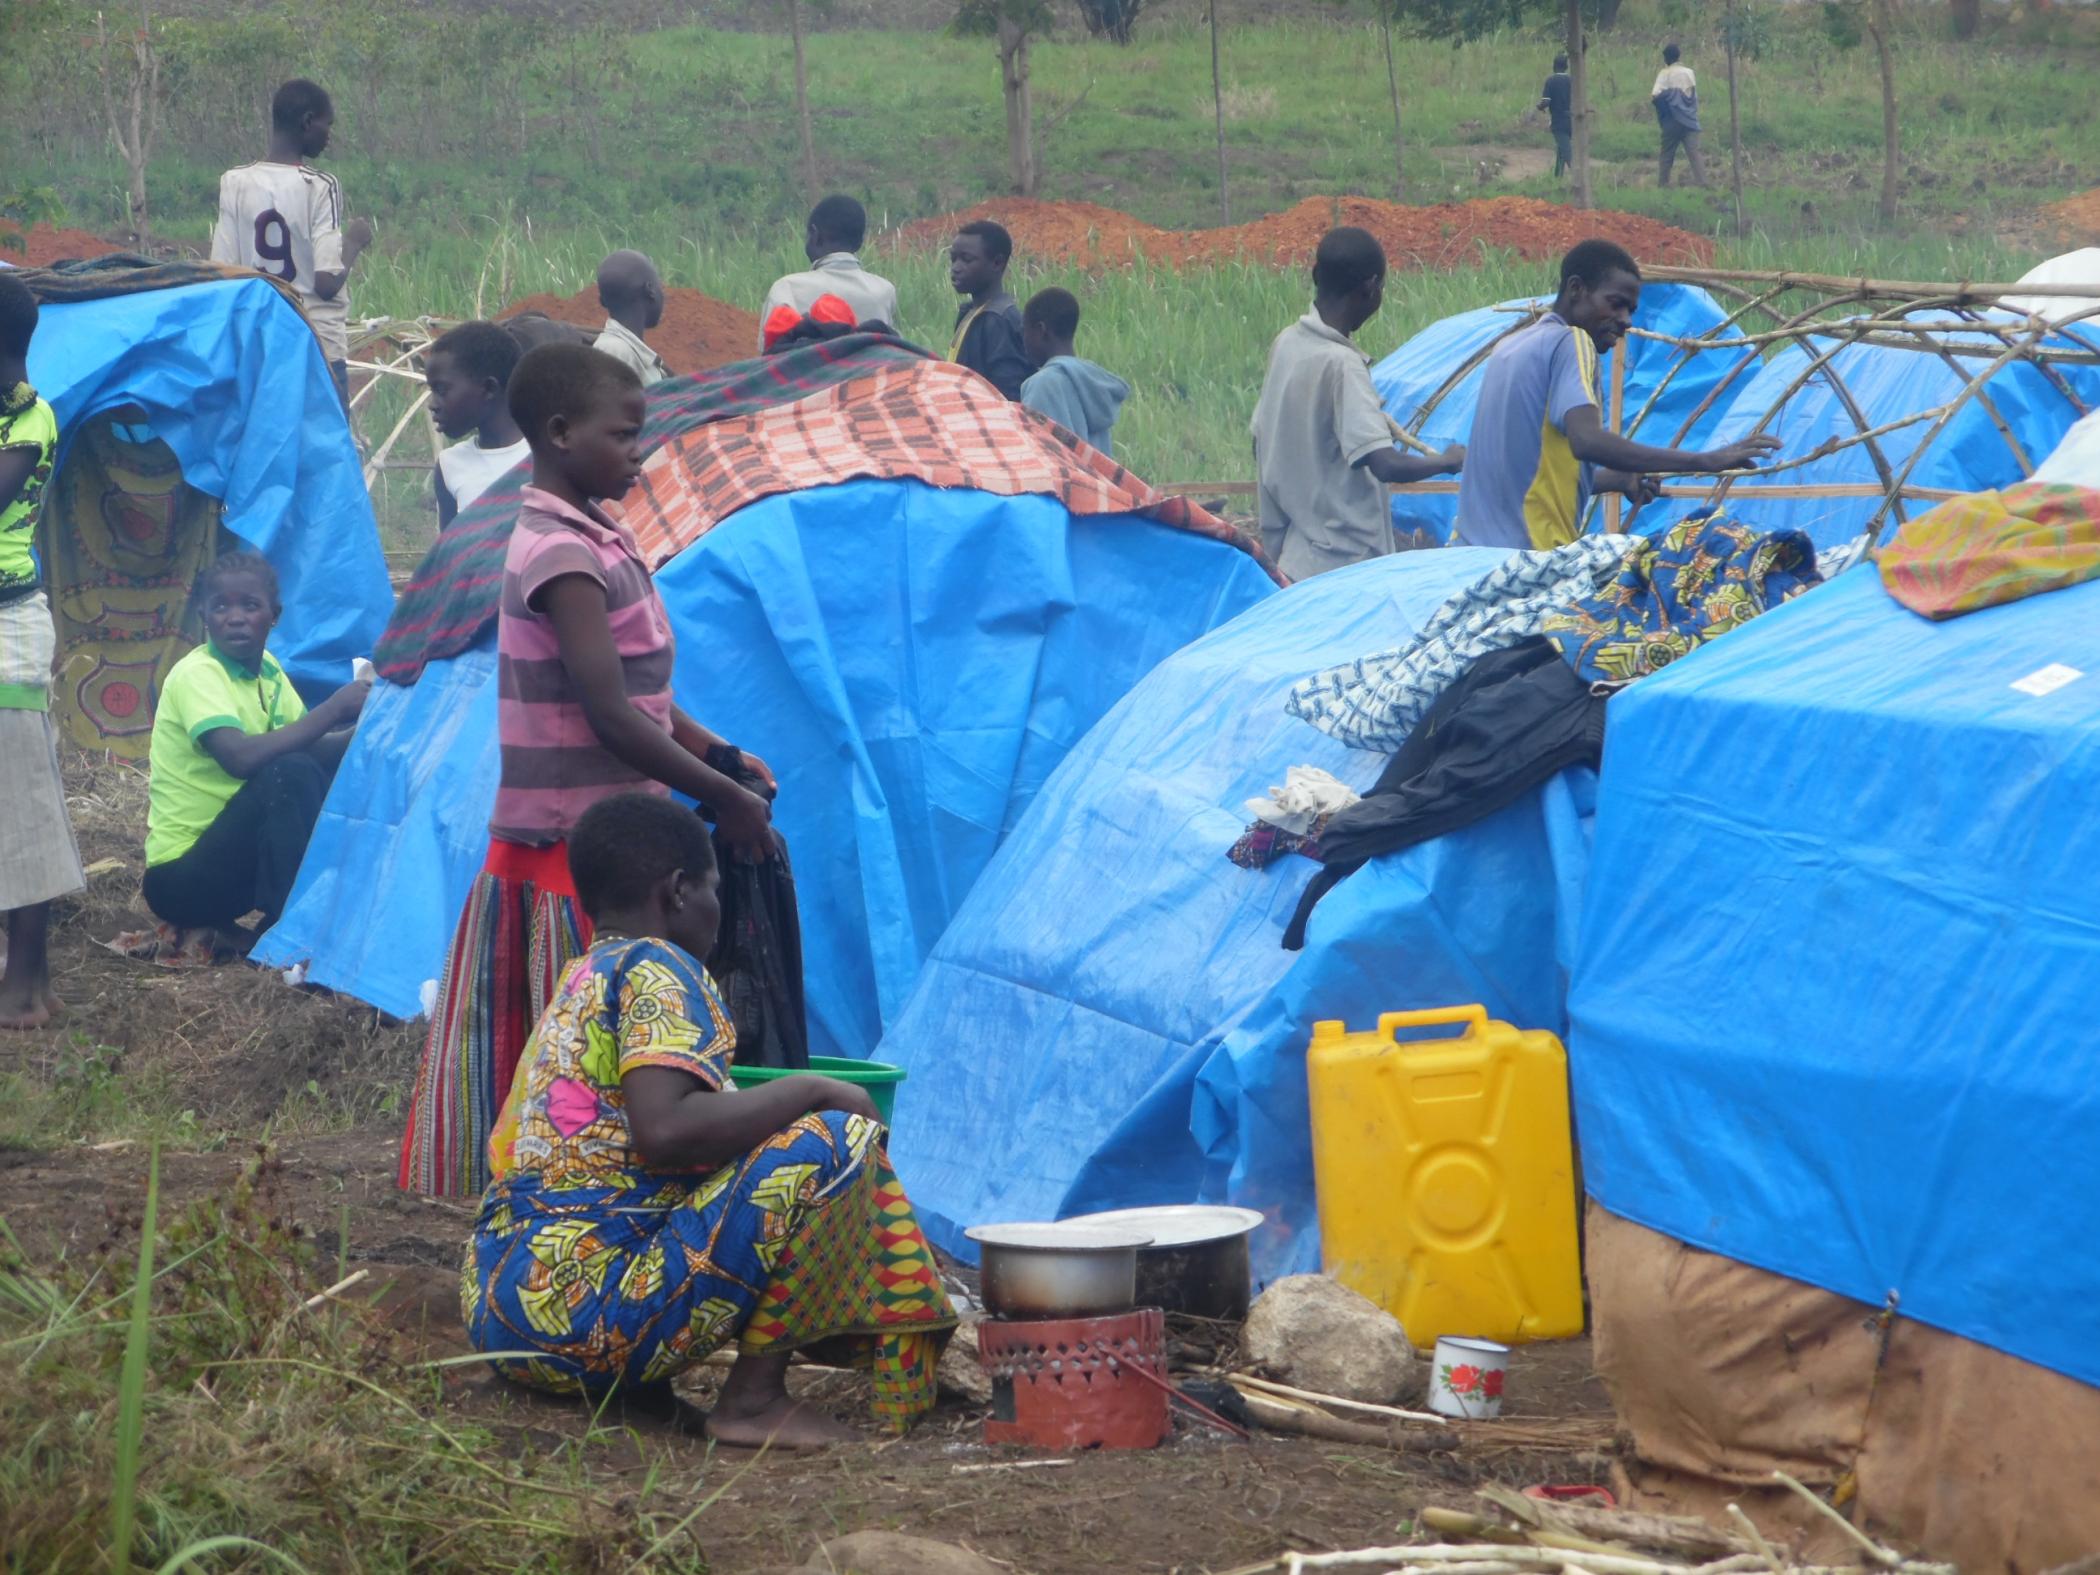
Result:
[{"x": 1323, "y": 446}]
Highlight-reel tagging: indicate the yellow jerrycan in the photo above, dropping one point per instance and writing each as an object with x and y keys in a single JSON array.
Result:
[{"x": 1446, "y": 1177}]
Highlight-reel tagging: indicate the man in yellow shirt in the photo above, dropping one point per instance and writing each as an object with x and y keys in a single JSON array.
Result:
[{"x": 1539, "y": 447}]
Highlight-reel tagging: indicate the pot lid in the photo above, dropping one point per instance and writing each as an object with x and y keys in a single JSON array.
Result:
[
  {"x": 1063, "y": 1236},
  {"x": 1176, "y": 1224}
]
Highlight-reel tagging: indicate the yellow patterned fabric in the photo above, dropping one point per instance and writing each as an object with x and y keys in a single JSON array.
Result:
[
  {"x": 593, "y": 1271},
  {"x": 1994, "y": 547},
  {"x": 122, "y": 538}
]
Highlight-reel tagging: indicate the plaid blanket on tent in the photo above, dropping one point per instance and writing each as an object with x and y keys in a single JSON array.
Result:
[
  {"x": 1994, "y": 547},
  {"x": 923, "y": 421},
  {"x": 729, "y": 437}
]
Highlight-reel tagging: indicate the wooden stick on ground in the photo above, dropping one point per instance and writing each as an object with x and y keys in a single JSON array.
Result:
[
  {"x": 1888, "y": 1558},
  {"x": 1284, "y": 1416},
  {"x": 1271, "y": 1387}
]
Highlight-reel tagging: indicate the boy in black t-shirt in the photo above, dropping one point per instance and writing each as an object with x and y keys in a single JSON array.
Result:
[{"x": 1557, "y": 99}]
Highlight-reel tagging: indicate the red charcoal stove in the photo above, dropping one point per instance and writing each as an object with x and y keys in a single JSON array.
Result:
[{"x": 1061, "y": 1383}]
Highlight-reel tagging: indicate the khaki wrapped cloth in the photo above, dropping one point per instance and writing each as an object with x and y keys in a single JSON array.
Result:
[
  {"x": 1724, "y": 1373},
  {"x": 1994, "y": 547}
]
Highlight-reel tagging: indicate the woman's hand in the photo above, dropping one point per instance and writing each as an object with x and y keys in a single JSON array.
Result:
[
  {"x": 850, "y": 1099},
  {"x": 746, "y": 823},
  {"x": 347, "y": 703}
]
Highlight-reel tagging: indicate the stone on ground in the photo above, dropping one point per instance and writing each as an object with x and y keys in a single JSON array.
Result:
[
  {"x": 1316, "y": 1333},
  {"x": 962, "y": 1375}
]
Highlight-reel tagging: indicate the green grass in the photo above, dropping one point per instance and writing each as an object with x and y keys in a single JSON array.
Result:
[
  {"x": 178, "y": 1404},
  {"x": 502, "y": 158}
]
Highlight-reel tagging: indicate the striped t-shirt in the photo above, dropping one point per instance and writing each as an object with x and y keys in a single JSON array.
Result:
[
  {"x": 554, "y": 768},
  {"x": 1522, "y": 485}
]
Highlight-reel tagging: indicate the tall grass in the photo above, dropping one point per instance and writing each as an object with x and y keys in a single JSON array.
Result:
[{"x": 181, "y": 1405}]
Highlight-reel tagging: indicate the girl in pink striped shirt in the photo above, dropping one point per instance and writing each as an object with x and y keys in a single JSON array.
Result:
[{"x": 583, "y": 669}]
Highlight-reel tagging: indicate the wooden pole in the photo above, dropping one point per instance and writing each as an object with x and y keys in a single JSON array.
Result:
[
  {"x": 809, "y": 142},
  {"x": 1579, "y": 69},
  {"x": 1735, "y": 118},
  {"x": 1615, "y": 503},
  {"x": 1217, "y": 99},
  {"x": 1881, "y": 23},
  {"x": 1392, "y": 82}
]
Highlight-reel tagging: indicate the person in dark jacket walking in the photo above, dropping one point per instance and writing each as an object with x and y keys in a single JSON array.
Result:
[
  {"x": 1676, "y": 100},
  {"x": 1557, "y": 99}
]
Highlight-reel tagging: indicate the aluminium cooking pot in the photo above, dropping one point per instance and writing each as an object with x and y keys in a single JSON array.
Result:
[
  {"x": 1057, "y": 1270},
  {"x": 1196, "y": 1262}
]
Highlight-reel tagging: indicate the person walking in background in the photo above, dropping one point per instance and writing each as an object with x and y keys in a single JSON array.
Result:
[
  {"x": 1557, "y": 99},
  {"x": 832, "y": 240},
  {"x": 1323, "y": 447},
  {"x": 1676, "y": 99},
  {"x": 467, "y": 370},
  {"x": 632, "y": 293},
  {"x": 988, "y": 324},
  {"x": 38, "y": 857},
  {"x": 1071, "y": 390},
  {"x": 284, "y": 218},
  {"x": 1539, "y": 447}
]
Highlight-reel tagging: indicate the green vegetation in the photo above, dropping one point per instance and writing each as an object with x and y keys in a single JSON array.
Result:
[
  {"x": 205, "y": 1406},
  {"x": 501, "y": 156}
]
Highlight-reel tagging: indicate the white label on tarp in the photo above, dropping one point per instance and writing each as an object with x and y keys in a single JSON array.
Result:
[{"x": 2047, "y": 680}]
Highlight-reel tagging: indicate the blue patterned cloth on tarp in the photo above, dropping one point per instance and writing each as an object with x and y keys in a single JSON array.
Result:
[
  {"x": 1375, "y": 701},
  {"x": 1701, "y": 578}
]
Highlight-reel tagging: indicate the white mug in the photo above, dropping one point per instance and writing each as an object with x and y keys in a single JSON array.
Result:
[{"x": 1466, "y": 1378}]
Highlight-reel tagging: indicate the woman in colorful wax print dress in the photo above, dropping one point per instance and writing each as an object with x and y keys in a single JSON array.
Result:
[{"x": 645, "y": 1212}]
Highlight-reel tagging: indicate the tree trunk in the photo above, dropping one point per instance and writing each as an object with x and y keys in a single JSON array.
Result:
[
  {"x": 1968, "y": 16},
  {"x": 1579, "y": 106},
  {"x": 134, "y": 124},
  {"x": 1881, "y": 24},
  {"x": 1735, "y": 121},
  {"x": 1217, "y": 98},
  {"x": 1020, "y": 108},
  {"x": 1392, "y": 82},
  {"x": 809, "y": 141}
]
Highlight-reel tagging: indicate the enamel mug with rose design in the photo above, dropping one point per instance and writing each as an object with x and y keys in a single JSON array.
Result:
[{"x": 1466, "y": 1378}]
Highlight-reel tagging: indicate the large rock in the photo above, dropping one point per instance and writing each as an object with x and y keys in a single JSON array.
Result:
[
  {"x": 888, "y": 1553},
  {"x": 1318, "y": 1334},
  {"x": 962, "y": 1375}
]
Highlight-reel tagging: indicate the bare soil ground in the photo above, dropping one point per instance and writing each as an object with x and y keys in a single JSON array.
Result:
[{"x": 243, "y": 1053}]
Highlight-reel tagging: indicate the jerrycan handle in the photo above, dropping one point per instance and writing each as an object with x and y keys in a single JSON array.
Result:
[{"x": 1475, "y": 1017}]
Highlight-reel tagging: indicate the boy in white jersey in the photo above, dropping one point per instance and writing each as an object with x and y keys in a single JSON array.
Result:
[
  {"x": 284, "y": 218},
  {"x": 467, "y": 370}
]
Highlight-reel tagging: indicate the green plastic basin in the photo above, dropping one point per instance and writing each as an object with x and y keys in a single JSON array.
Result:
[{"x": 878, "y": 1077}]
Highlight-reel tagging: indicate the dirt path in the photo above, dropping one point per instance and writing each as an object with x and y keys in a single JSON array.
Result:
[{"x": 1200, "y": 1503}]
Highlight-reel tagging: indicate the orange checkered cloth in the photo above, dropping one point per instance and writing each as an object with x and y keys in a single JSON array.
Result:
[
  {"x": 1994, "y": 547},
  {"x": 920, "y": 421}
]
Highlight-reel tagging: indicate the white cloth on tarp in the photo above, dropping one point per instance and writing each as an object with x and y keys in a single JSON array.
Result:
[{"x": 1307, "y": 794}]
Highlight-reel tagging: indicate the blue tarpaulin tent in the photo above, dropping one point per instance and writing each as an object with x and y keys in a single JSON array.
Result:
[
  {"x": 1844, "y": 1034},
  {"x": 1407, "y": 379},
  {"x": 232, "y": 380},
  {"x": 1110, "y": 1020},
  {"x": 912, "y": 662}
]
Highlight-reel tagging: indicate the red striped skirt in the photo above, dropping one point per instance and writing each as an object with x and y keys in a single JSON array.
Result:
[{"x": 521, "y": 927}]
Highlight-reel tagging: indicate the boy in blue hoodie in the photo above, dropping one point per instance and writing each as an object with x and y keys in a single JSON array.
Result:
[{"x": 1069, "y": 389}]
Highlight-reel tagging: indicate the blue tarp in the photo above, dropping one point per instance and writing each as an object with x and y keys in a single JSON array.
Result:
[
  {"x": 912, "y": 663},
  {"x": 1970, "y": 455},
  {"x": 1834, "y": 1010},
  {"x": 1111, "y": 1021},
  {"x": 232, "y": 379},
  {"x": 1411, "y": 374}
]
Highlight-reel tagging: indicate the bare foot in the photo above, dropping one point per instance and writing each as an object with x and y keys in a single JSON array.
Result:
[
  {"x": 22, "y": 1010},
  {"x": 780, "y": 1424}
]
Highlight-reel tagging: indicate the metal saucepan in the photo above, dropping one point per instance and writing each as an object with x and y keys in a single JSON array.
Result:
[
  {"x": 1197, "y": 1260},
  {"x": 1058, "y": 1271}
]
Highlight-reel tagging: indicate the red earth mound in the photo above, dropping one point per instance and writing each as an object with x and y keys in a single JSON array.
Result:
[
  {"x": 697, "y": 332},
  {"x": 1442, "y": 235},
  {"x": 2076, "y": 220},
  {"x": 48, "y": 245}
]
